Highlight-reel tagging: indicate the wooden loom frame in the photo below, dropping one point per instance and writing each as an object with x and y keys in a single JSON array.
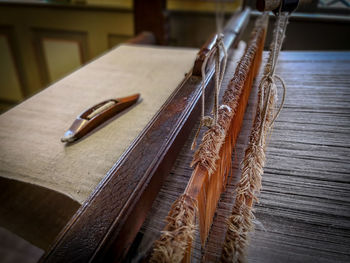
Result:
[{"x": 106, "y": 224}]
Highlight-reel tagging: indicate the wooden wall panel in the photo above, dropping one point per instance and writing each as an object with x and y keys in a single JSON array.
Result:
[
  {"x": 115, "y": 39},
  {"x": 96, "y": 22},
  {"x": 203, "y": 5},
  {"x": 61, "y": 56},
  {"x": 10, "y": 88},
  {"x": 11, "y": 78},
  {"x": 59, "y": 52}
]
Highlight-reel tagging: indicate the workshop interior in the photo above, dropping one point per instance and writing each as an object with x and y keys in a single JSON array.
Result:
[{"x": 174, "y": 131}]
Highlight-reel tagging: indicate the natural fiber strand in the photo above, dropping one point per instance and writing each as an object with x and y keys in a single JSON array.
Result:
[
  {"x": 214, "y": 153},
  {"x": 240, "y": 223},
  {"x": 178, "y": 233},
  {"x": 208, "y": 121},
  {"x": 212, "y": 160},
  {"x": 208, "y": 152}
]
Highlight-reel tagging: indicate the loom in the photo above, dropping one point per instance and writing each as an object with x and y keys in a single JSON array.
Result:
[{"x": 123, "y": 217}]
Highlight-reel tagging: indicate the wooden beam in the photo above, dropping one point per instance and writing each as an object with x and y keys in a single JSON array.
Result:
[
  {"x": 105, "y": 226},
  {"x": 151, "y": 16}
]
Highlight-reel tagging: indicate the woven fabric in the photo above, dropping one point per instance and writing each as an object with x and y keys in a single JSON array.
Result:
[{"x": 30, "y": 146}]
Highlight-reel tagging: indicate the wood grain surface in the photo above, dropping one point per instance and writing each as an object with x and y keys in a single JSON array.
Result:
[
  {"x": 304, "y": 209},
  {"x": 305, "y": 202},
  {"x": 105, "y": 226}
]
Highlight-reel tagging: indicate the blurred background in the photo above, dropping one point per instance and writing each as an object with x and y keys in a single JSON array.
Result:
[{"x": 42, "y": 41}]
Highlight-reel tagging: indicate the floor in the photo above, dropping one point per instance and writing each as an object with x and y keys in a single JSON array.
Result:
[{"x": 14, "y": 249}]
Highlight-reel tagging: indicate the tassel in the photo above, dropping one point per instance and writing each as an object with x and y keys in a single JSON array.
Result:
[
  {"x": 249, "y": 186},
  {"x": 178, "y": 233},
  {"x": 212, "y": 160}
]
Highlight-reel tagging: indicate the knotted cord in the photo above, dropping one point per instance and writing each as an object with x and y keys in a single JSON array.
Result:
[
  {"x": 269, "y": 80},
  {"x": 212, "y": 160},
  {"x": 208, "y": 121},
  {"x": 240, "y": 223}
]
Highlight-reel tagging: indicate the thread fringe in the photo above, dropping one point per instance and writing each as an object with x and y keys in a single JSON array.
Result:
[
  {"x": 240, "y": 223},
  {"x": 178, "y": 233},
  {"x": 209, "y": 151},
  {"x": 214, "y": 155}
]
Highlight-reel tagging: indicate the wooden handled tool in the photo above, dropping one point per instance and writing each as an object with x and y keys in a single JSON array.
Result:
[{"x": 96, "y": 115}]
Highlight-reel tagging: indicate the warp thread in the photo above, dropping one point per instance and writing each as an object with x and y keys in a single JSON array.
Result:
[{"x": 240, "y": 222}]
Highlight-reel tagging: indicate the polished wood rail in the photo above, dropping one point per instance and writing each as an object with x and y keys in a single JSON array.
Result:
[
  {"x": 304, "y": 209},
  {"x": 107, "y": 223}
]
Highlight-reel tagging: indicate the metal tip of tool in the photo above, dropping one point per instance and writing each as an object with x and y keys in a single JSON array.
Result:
[{"x": 68, "y": 137}]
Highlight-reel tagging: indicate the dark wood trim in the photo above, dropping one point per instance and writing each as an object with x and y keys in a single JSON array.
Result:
[
  {"x": 144, "y": 38},
  {"x": 9, "y": 33},
  {"x": 106, "y": 224},
  {"x": 312, "y": 18},
  {"x": 39, "y": 34},
  {"x": 64, "y": 6},
  {"x": 152, "y": 16},
  {"x": 110, "y": 41},
  {"x": 5, "y": 105}
]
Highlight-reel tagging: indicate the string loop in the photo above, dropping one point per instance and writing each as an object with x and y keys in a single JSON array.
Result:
[
  {"x": 269, "y": 79},
  {"x": 208, "y": 121}
]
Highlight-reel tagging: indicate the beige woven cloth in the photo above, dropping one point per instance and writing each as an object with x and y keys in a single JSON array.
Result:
[{"x": 30, "y": 147}]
